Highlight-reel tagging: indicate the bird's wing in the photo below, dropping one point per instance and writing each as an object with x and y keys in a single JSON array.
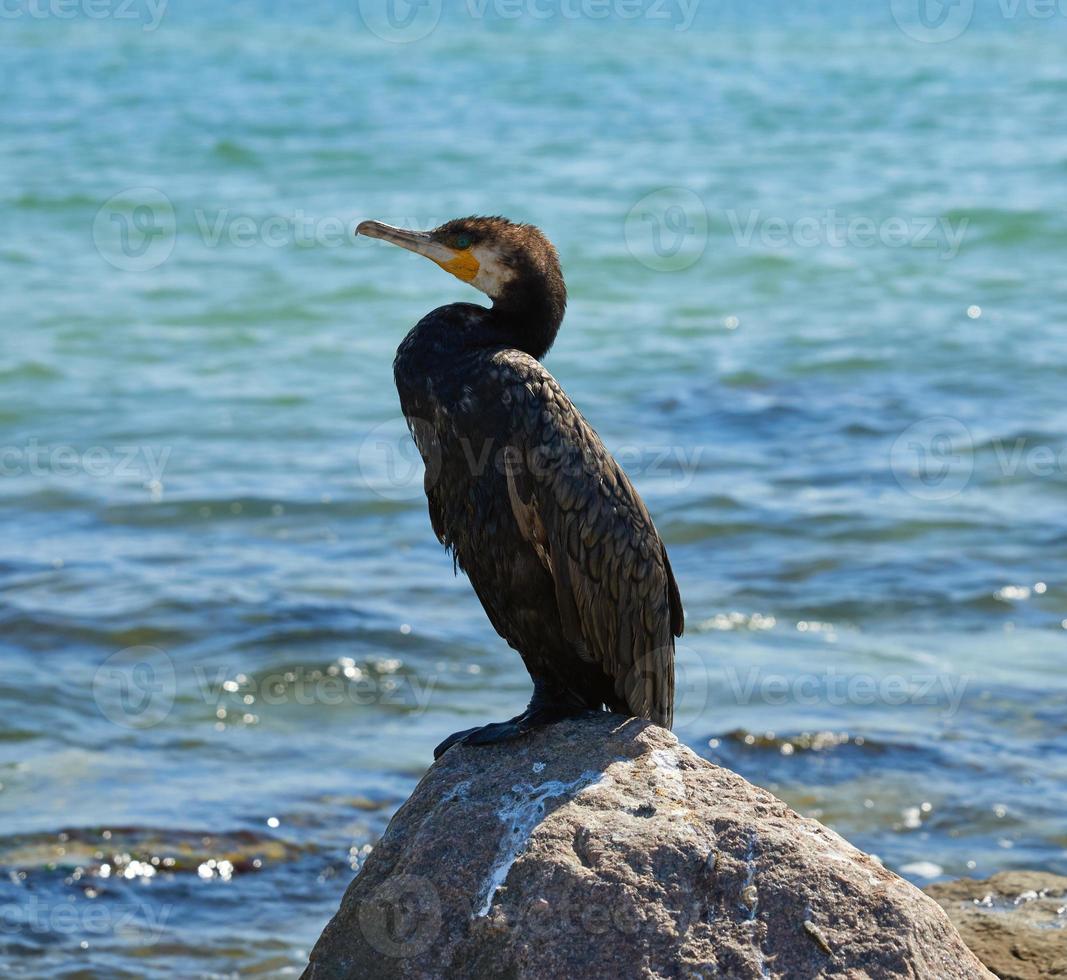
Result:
[{"x": 617, "y": 597}]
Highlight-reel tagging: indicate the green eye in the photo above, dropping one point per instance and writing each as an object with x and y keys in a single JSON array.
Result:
[{"x": 463, "y": 241}]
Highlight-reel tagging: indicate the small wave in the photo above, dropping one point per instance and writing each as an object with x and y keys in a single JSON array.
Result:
[
  {"x": 201, "y": 510},
  {"x": 32, "y": 201},
  {"x": 46, "y": 632},
  {"x": 853, "y": 363},
  {"x": 16, "y": 257},
  {"x": 30, "y": 371},
  {"x": 746, "y": 379},
  {"x": 1000, "y": 226},
  {"x": 818, "y": 741},
  {"x": 821, "y": 756},
  {"x": 229, "y": 151}
]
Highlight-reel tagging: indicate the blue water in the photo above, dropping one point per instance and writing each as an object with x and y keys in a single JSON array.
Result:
[{"x": 817, "y": 309}]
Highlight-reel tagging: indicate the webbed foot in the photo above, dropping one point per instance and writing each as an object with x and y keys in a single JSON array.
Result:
[{"x": 506, "y": 731}]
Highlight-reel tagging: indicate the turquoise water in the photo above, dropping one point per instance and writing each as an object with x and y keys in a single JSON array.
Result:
[{"x": 817, "y": 309}]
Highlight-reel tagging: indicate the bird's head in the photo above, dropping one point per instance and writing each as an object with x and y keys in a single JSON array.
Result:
[{"x": 514, "y": 264}]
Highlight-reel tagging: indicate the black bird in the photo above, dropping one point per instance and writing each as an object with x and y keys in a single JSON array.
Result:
[{"x": 554, "y": 538}]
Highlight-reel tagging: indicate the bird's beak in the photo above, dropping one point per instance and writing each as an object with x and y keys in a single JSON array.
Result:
[{"x": 460, "y": 262}]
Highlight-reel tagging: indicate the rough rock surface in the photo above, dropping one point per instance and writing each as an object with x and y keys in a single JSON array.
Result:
[
  {"x": 1015, "y": 922},
  {"x": 601, "y": 848}
]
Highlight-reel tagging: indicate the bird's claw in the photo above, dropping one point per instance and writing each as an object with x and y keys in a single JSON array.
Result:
[{"x": 456, "y": 738}]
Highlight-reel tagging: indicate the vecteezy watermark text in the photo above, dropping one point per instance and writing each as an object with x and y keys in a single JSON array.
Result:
[
  {"x": 137, "y": 229},
  {"x": 405, "y": 21},
  {"x": 678, "y": 13},
  {"x": 144, "y": 463},
  {"x": 344, "y": 683},
  {"x": 273, "y": 231},
  {"x": 148, "y": 13},
  {"x": 834, "y": 230},
  {"x": 137, "y": 688},
  {"x": 668, "y": 230},
  {"x": 89, "y": 918},
  {"x": 391, "y": 465},
  {"x": 838, "y": 688}
]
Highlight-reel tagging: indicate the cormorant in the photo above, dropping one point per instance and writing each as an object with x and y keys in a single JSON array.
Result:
[{"x": 558, "y": 545}]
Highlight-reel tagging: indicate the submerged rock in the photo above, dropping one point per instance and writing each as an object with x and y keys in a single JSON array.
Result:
[
  {"x": 142, "y": 852},
  {"x": 601, "y": 848},
  {"x": 1015, "y": 922}
]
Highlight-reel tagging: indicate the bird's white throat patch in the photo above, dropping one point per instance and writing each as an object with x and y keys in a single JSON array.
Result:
[{"x": 493, "y": 273}]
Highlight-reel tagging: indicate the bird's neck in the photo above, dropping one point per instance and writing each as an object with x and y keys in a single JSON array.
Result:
[{"x": 529, "y": 315}]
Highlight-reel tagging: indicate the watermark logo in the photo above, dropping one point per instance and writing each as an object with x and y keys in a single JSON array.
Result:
[
  {"x": 390, "y": 463},
  {"x": 692, "y": 691},
  {"x": 937, "y": 21},
  {"x": 400, "y": 21},
  {"x": 933, "y": 459},
  {"x": 135, "y": 687},
  {"x": 932, "y": 21},
  {"x": 403, "y": 916},
  {"x": 667, "y": 230},
  {"x": 135, "y": 230}
]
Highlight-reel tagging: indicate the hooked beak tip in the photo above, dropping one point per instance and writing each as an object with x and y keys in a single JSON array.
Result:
[{"x": 415, "y": 241}]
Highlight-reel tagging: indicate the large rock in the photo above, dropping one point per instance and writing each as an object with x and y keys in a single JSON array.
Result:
[
  {"x": 603, "y": 848},
  {"x": 1016, "y": 921}
]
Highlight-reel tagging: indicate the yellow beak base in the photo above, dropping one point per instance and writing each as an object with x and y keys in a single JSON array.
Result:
[{"x": 463, "y": 265}]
